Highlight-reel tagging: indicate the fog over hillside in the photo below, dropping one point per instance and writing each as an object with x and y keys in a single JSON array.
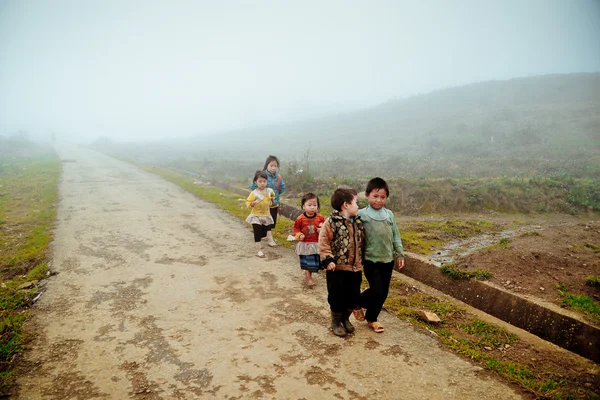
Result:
[{"x": 495, "y": 118}]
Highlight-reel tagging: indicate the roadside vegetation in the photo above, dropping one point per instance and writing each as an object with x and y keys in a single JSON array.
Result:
[
  {"x": 538, "y": 194},
  {"x": 29, "y": 176},
  {"x": 526, "y": 192},
  {"x": 456, "y": 273},
  {"x": 580, "y": 302}
]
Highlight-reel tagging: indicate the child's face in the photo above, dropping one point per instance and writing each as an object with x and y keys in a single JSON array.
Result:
[
  {"x": 310, "y": 207},
  {"x": 377, "y": 198},
  {"x": 272, "y": 167},
  {"x": 352, "y": 207},
  {"x": 261, "y": 183}
]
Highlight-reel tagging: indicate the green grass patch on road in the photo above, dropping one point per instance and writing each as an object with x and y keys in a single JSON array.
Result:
[{"x": 28, "y": 197}]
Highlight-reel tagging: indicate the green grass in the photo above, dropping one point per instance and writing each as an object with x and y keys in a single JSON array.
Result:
[
  {"x": 424, "y": 185},
  {"x": 424, "y": 236},
  {"x": 419, "y": 241},
  {"x": 551, "y": 193},
  {"x": 454, "y": 272},
  {"x": 28, "y": 197},
  {"x": 488, "y": 335},
  {"x": 503, "y": 243},
  {"x": 580, "y": 302},
  {"x": 531, "y": 233}
]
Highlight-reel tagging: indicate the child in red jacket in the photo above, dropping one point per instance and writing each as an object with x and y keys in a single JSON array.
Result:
[{"x": 306, "y": 231}]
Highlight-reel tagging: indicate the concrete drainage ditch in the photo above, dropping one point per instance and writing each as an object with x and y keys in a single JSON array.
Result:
[{"x": 547, "y": 321}]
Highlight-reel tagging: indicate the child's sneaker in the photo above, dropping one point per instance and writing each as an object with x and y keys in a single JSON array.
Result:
[{"x": 260, "y": 254}]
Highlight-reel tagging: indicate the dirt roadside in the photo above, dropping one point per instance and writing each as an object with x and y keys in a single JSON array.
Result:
[
  {"x": 157, "y": 296},
  {"x": 541, "y": 257}
]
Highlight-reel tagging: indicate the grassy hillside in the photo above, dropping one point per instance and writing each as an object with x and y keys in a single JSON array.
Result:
[
  {"x": 504, "y": 145},
  {"x": 526, "y": 123}
]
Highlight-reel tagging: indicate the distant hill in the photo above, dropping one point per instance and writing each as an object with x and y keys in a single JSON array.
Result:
[
  {"x": 542, "y": 113},
  {"x": 553, "y": 119}
]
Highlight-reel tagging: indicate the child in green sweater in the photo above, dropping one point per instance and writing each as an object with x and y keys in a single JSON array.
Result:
[{"x": 382, "y": 246}]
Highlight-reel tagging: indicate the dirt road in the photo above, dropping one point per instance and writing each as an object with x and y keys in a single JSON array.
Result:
[{"x": 158, "y": 296}]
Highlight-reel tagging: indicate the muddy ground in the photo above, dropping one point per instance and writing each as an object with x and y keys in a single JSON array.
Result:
[
  {"x": 158, "y": 295},
  {"x": 539, "y": 255}
]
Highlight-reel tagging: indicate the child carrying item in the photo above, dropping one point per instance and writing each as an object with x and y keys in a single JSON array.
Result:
[{"x": 306, "y": 231}]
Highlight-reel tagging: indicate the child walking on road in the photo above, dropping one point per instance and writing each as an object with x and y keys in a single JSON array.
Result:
[
  {"x": 260, "y": 200},
  {"x": 306, "y": 231},
  {"x": 276, "y": 183},
  {"x": 382, "y": 246},
  {"x": 341, "y": 246}
]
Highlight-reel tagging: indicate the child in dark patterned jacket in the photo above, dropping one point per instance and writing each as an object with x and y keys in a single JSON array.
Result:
[{"x": 340, "y": 246}]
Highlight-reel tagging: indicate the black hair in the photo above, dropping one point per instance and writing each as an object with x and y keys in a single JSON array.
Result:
[
  {"x": 377, "y": 183},
  {"x": 260, "y": 174},
  {"x": 310, "y": 196},
  {"x": 341, "y": 196},
  {"x": 269, "y": 159}
]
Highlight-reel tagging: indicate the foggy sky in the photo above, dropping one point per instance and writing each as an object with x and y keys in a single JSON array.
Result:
[{"x": 136, "y": 70}]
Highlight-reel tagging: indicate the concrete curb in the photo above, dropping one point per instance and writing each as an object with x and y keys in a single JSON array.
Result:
[{"x": 549, "y": 324}]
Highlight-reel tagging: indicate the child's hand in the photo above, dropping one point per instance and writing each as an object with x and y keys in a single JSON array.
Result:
[
  {"x": 301, "y": 237},
  {"x": 253, "y": 204},
  {"x": 319, "y": 227},
  {"x": 331, "y": 266},
  {"x": 400, "y": 263}
]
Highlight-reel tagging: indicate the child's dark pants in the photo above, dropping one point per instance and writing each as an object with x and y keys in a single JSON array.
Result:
[
  {"x": 274, "y": 213},
  {"x": 379, "y": 276},
  {"x": 260, "y": 231},
  {"x": 343, "y": 290}
]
